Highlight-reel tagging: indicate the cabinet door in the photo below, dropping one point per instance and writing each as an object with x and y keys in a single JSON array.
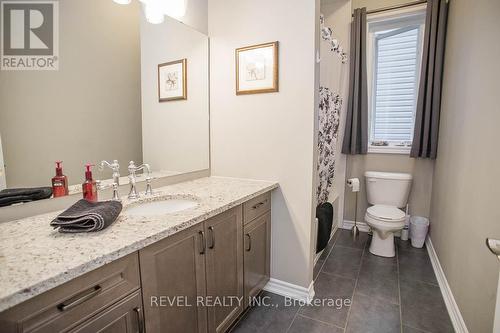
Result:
[
  {"x": 124, "y": 317},
  {"x": 224, "y": 269},
  {"x": 173, "y": 276},
  {"x": 257, "y": 240}
]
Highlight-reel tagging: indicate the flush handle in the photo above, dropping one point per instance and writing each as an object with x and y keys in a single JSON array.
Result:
[{"x": 494, "y": 246}]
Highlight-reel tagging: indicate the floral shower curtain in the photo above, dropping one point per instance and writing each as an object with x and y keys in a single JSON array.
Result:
[{"x": 330, "y": 104}]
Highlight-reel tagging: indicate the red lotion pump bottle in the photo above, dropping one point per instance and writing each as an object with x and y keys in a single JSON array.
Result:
[
  {"x": 89, "y": 187},
  {"x": 59, "y": 182}
]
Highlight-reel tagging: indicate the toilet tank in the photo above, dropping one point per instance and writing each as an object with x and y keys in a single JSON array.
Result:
[{"x": 388, "y": 188}]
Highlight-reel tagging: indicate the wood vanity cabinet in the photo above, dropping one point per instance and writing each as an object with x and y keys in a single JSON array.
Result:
[
  {"x": 195, "y": 281},
  {"x": 205, "y": 260}
]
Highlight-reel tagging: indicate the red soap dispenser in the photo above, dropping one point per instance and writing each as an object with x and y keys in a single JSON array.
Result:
[
  {"x": 59, "y": 182},
  {"x": 89, "y": 187}
]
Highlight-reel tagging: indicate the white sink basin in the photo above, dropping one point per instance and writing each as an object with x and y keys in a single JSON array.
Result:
[{"x": 160, "y": 206}]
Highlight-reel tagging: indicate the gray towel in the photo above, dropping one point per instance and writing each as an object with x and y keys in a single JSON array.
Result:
[
  {"x": 12, "y": 196},
  {"x": 86, "y": 216}
]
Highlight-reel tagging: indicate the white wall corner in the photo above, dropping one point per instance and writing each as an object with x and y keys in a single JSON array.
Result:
[
  {"x": 290, "y": 290},
  {"x": 318, "y": 255},
  {"x": 347, "y": 224},
  {"x": 451, "y": 305},
  {"x": 315, "y": 241}
]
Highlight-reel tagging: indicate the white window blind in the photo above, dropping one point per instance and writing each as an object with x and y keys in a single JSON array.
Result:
[
  {"x": 396, "y": 45},
  {"x": 395, "y": 85}
]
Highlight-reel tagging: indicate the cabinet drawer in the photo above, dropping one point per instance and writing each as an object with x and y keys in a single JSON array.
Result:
[
  {"x": 66, "y": 306},
  {"x": 123, "y": 317},
  {"x": 256, "y": 207}
]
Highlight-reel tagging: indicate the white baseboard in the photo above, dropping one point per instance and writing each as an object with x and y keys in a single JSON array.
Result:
[
  {"x": 362, "y": 226},
  {"x": 451, "y": 305},
  {"x": 290, "y": 290}
]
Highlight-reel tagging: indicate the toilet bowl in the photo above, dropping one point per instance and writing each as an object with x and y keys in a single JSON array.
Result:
[
  {"x": 387, "y": 192},
  {"x": 384, "y": 222}
]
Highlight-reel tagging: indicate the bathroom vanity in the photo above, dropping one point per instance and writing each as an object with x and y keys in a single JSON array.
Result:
[{"x": 187, "y": 271}]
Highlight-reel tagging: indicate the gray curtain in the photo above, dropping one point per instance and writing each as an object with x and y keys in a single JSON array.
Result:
[
  {"x": 356, "y": 129},
  {"x": 425, "y": 135}
]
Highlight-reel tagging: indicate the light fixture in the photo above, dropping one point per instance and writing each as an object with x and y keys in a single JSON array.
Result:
[
  {"x": 122, "y": 2},
  {"x": 153, "y": 11},
  {"x": 174, "y": 8}
]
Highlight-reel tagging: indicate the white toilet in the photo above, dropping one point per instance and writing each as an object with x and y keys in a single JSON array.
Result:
[{"x": 387, "y": 192}]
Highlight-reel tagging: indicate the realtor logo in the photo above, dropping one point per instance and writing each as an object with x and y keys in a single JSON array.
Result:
[{"x": 29, "y": 35}]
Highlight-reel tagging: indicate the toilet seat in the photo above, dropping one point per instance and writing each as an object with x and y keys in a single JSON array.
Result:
[{"x": 385, "y": 213}]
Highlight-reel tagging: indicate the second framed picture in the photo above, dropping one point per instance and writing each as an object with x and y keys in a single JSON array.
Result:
[
  {"x": 172, "y": 80},
  {"x": 257, "y": 69}
]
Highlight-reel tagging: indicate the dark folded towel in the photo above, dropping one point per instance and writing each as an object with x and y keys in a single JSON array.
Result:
[
  {"x": 86, "y": 216},
  {"x": 12, "y": 196}
]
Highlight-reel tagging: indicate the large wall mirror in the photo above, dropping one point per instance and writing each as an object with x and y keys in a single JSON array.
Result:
[{"x": 109, "y": 100}]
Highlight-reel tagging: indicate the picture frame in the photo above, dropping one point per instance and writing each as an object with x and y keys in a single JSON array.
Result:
[
  {"x": 172, "y": 80},
  {"x": 257, "y": 69}
]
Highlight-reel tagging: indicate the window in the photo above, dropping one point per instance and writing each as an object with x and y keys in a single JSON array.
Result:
[{"x": 394, "y": 53}]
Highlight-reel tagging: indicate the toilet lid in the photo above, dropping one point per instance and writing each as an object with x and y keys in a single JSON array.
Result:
[{"x": 386, "y": 212}]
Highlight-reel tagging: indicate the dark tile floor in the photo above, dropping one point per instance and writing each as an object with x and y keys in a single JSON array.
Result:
[{"x": 371, "y": 294}]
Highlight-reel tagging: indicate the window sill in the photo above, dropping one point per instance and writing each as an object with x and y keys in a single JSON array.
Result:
[{"x": 389, "y": 150}]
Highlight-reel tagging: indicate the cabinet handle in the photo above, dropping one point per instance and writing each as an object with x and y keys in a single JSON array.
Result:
[
  {"x": 259, "y": 204},
  {"x": 140, "y": 319},
  {"x": 249, "y": 242},
  {"x": 82, "y": 297},
  {"x": 212, "y": 238},
  {"x": 202, "y": 240}
]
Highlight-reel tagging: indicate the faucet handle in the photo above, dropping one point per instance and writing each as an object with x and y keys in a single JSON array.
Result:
[
  {"x": 116, "y": 196},
  {"x": 115, "y": 166},
  {"x": 149, "y": 189},
  {"x": 131, "y": 167}
]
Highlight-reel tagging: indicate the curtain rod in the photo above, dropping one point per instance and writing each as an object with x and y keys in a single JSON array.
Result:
[{"x": 395, "y": 7}]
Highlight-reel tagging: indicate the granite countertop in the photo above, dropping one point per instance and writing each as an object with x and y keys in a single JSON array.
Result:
[{"x": 35, "y": 258}]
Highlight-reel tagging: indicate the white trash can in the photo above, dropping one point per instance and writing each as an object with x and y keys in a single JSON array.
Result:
[{"x": 418, "y": 230}]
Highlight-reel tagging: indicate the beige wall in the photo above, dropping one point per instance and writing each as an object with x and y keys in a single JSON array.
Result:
[
  {"x": 3, "y": 183},
  {"x": 269, "y": 136},
  {"x": 466, "y": 188},
  {"x": 422, "y": 170},
  {"x": 420, "y": 195},
  {"x": 175, "y": 133},
  {"x": 86, "y": 111}
]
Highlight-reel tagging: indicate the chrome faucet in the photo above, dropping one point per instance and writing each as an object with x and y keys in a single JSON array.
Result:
[
  {"x": 115, "y": 166},
  {"x": 132, "y": 170}
]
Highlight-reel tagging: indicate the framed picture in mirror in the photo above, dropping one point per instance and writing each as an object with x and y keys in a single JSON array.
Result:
[
  {"x": 172, "y": 80},
  {"x": 257, "y": 69}
]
